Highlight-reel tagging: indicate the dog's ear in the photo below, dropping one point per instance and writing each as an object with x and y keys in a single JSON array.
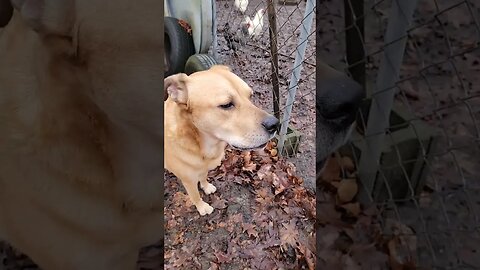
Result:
[
  {"x": 221, "y": 67},
  {"x": 6, "y": 11},
  {"x": 176, "y": 87},
  {"x": 47, "y": 16}
]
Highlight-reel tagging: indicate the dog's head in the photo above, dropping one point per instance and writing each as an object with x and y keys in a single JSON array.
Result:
[
  {"x": 111, "y": 49},
  {"x": 218, "y": 103},
  {"x": 337, "y": 101}
]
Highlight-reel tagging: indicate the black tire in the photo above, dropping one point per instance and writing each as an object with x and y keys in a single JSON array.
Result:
[
  {"x": 179, "y": 46},
  {"x": 199, "y": 62}
]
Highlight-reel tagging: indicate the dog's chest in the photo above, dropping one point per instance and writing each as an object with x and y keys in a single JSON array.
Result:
[
  {"x": 213, "y": 163},
  {"x": 214, "y": 155}
]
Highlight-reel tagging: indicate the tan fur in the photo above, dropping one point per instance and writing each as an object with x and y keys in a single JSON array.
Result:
[
  {"x": 81, "y": 132},
  {"x": 197, "y": 130}
]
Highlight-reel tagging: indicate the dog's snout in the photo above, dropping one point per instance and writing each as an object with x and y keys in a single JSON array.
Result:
[
  {"x": 339, "y": 98},
  {"x": 270, "y": 124}
]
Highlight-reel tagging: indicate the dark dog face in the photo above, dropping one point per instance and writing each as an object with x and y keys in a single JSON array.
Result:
[{"x": 337, "y": 102}]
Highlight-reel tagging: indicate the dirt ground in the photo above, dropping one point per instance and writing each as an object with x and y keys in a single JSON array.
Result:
[{"x": 263, "y": 218}]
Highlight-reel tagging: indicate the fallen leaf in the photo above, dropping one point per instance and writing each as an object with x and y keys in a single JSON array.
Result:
[
  {"x": 398, "y": 260},
  {"x": 249, "y": 167},
  {"x": 181, "y": 259},
  {"x": 347, "y": 190},
  {"x": 309, "y": 257},
  {"x": 250, "y": 229},
  {"x": 213, "y": 266},
  {"x": 291, "y": 170},
  {"x": 236, "y": 218},
  {"x": 289, "y": 234},
  {"x": 230, "y": 161},
  {"x": 264, "y": 203},
  {"x": 264, "y": 263},
  {"x": 349, "y": 263},
  {"x": 403, "y": 245},
  {"x": 352, "y": 208},
  {"x": 238, "y": 179},
  {"x": 331, "y": 258},
  {"x": 279, "y": 188},
  {"x": 264, "y": 170},
  {"x": 331, "y": 171},
  {"x": 326, "y": 213},
  {"x": 253, "y": 250},
  {"x": 179, "y": 239},
  {"x": 219, "y": 203},
  {"x": 268, "y": 147},
  {"x": 282, "y": 178},
  {"x": 335, "y": 184},
  {"x": 221, "y": 257},
  {"x": 171, "y": 223},
  {"x": 369, "y": 257},
  {"x": 263, "y": 192}
]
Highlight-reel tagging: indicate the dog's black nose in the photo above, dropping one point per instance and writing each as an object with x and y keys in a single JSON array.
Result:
[
  {"x": 270, "y": 124},
  {"x": 338, "y": 98}
]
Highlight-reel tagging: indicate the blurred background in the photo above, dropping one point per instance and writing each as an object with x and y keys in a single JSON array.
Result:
[{"x": 405, "y": 189}]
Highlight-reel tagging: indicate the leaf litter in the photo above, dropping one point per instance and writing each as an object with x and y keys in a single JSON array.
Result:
[
  {"x": 263, "y": 219},
  {"x": 352, "y": 236}
]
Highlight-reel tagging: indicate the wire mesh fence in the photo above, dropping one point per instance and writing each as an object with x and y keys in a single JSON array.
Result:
[
  {"x": 272, "y": 61},
  {"x": 416, "y": 148}
]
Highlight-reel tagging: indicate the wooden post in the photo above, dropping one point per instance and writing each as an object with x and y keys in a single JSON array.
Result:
[{"x": 272, "y": 30}]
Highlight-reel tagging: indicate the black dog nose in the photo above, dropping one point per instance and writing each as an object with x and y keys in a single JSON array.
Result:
[
  {"x": 270, "y": 124},
  {"x": 338, "y": 97}
]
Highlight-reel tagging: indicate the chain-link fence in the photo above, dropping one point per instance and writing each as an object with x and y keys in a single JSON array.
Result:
[
  {"x": 278, "y": 62},
  {"x": 417, "y": 145}
]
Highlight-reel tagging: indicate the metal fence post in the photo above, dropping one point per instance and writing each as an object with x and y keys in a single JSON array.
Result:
[
  {"x": 297, "y": 68},
  {"x": 215, "y": 38},
  {"x": 400, "y": 18}
]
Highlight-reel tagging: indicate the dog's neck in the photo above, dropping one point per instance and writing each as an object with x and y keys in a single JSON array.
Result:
[
  {"x": 211, "y": 146},
  {"x": 200, "y": 141},
  {"x": 61, "y": 122}
]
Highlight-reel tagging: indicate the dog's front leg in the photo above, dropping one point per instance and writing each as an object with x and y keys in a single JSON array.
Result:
[
  {"x": 191, "y": 185},
  {"x": 207, "y": 187},
  {"x": 192, "y": 190}
]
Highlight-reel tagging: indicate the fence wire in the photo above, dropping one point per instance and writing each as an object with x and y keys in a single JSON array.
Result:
[
  {"x": 253, "y": 62},
  {"x": 427, "y": 179}
]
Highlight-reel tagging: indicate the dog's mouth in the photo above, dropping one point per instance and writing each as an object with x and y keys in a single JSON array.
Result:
[{"x": 259, "y": 147}]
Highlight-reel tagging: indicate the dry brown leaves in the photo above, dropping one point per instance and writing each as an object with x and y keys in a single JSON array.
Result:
[
  {"x": 263, "y": 218},
  {"x": 350, "y": 235}
]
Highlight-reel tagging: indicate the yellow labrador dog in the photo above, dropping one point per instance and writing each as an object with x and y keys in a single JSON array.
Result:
[
  {"x": 203, "y": 113},
  {"x": 81, "y": 131}
]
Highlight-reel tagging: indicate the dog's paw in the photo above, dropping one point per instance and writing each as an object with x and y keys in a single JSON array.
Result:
[
  {"x": 209, "y": 188},
  {"x": 204, "y": 208}
]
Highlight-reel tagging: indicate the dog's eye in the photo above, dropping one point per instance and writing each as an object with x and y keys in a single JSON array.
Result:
[{"x": 227, "y": 106}]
